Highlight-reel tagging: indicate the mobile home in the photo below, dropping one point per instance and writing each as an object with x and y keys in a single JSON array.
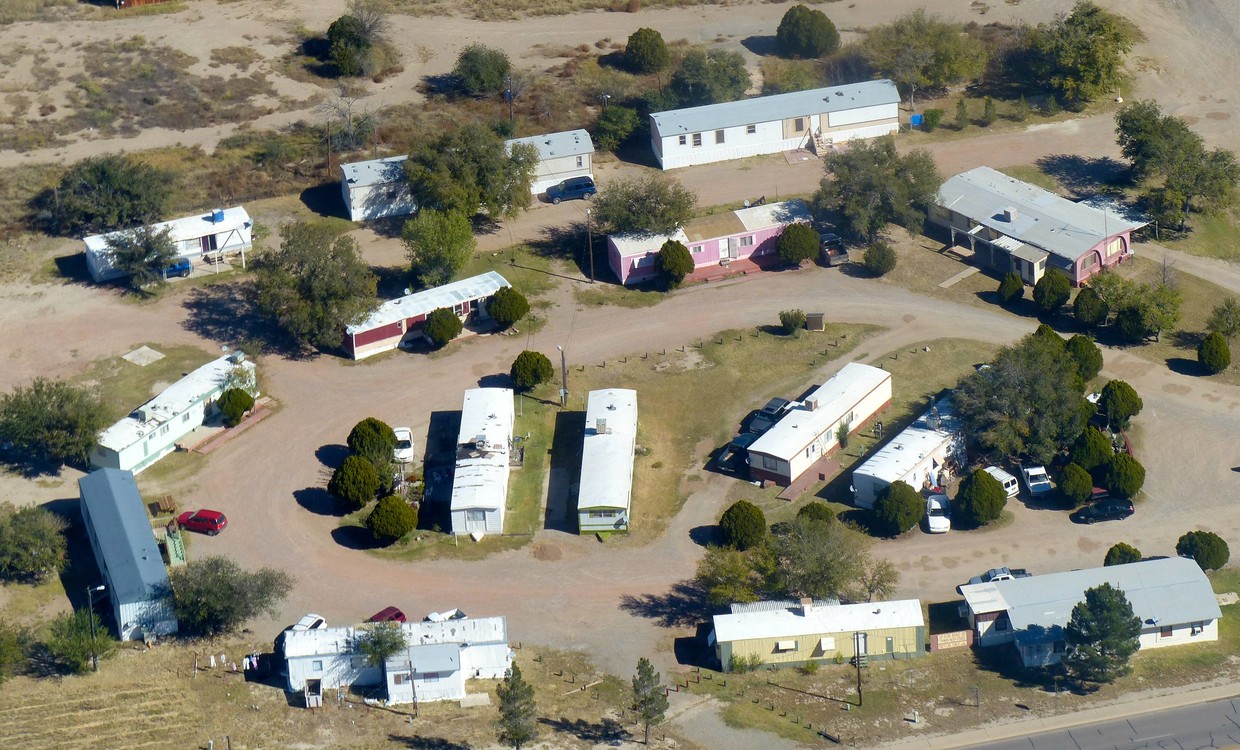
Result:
[
  {"x": 605, "y": 492},
  {"x": 483, "y": 448}
]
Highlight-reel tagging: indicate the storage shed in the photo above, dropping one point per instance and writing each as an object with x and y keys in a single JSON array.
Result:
[
  {"x": 605, "y": 491},
  {"x": 917, "y": 456},
  {"x": 376, "y": 189},
  {"x": 213, "y": 235},
  {"x": 560, "y": 156},
  {"x": 483, "y": 447}
]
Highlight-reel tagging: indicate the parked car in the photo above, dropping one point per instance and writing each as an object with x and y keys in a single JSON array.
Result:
[
  {"x": 387, "y": 614},
  {"x": 1036, "y": 480},
  {"x": 766, "y": 417},
  {"x": 573, "y": 187},
  {"x": 734, "y": 458},
  {"x": 1109, "y": 509},
  {"x": 1010, "y": 485},
  {"x": 310, "y": 622},
  {"x": 997, "y": 574},
  {"x": 404, "y": 445},
  {"x": 833, "y": 252},
  {"x": 180, "y": 267},
  {"x": 938, "y": 514},
  {"x": 209, "y": 522}
]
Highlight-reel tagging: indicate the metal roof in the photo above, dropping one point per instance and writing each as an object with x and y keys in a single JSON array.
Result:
[
  {"x": 385, "y": 171},
  {"x": 340, "y": 640},
  {"x": 429, "y": 300},
  {"x": 555, "y": 145},
  {"x": 607, "y": 455},
  {"x": 777, "y": 107},
  {"x": 898, "y": 457},
  {"x": 1171, "y": 590},
  {"x": 123, "y": 536},
  {"x": 738, "y": 608},
  {"x": 180, "y": 230},
  {"x": 1042, "y": 219},
  {"x": 717, "y": 226},
  {"x": 438, "y": 657},
  {"x": 835, "y": 398},
  {"x": 480, "y": 479},
  {"x": 787, "y": 622}
]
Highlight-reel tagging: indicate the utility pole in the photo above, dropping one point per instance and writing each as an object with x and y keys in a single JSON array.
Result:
[
  {"x": 857, "y": 659},
  {"x": 590, "y": 245},
  {"x": 90, "y": 598},
  {"x": 563, "y": 377},
  {"x": 508, "y": 95}
]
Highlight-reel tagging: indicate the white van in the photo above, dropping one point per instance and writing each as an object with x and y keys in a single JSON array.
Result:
[{"x": 1010, "y": 485}]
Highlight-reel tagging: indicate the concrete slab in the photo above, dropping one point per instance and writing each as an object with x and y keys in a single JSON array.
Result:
[
  {"x": 142, "y": 356},
  {"x": 966, "y": 273}
]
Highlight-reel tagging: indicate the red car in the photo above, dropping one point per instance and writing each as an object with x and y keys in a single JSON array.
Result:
[
  {"x": 209, "y": 522},
  {"x": 388, "y": 614}
]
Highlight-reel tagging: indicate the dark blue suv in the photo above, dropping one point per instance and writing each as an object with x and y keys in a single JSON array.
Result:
[{"x": 574, "y": 187}]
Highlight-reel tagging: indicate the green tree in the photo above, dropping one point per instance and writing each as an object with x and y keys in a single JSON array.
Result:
[
  {"x": 871, "y": 185},
  {"x": 1131, "y": 324},
  {"x": 1101, "y": 636},
  {"x": 1091, "y": 449},
  {"x": 348, "y": 45},
  {"x": 355, "y": 482},
  {"x": 1122, "y": 554},
  {"x": 1076, "y": 484},
  {"x": 1089, "y": 309},
  {"x": 1052, "y": 292},
  {"x": 32, "y": 543},
  {"x": 806, "y": 33},
  {"x": 726, "y": 575},
  {"x": 14, "y": 642},
  {"x": 314, "y": 285},
  {"x": 792, "y": 321},
  {"x": 674, "y": 263},
  {"x": 614, "y": 126},
  {"x": 810, "y": 558},
  {"x": 104, "y": 193},
  {"x": 469, "y": 169},
  {"x": 1225, "y": 318},
  {"x": 643, "y": 205},
  {"x": 1206, "y": 548},
  {"x": 482, "y": 70},
  {"x": 1120, "y": 403},
  {"x": 899, "y": 508},
  {"x": 817, "y": 511},
  {"x": 142, "y": 254},
  {"x": 439, "y": 244},
  {"x": 1114, "y": 290},
  {"x": 1080, "y": 55},
  {"x": 646, "y": 52},
  {"x": 1011, "y": 288},
  {"x": 51, "y": 421},
  {"x": 879, "y": 258},
  {"x": 743, "y": 525},
  {"x": 716, "y": 75},
  {"x": 69, "y": 644},
  {"x": 507, "y": 306},
  {"x": 233, "y": 405},
  {"x": 518, "y": 723},
  {"x": 380, "y": 641},
  {"x": 1020, "y": 112},
  {"x": 392, "y": 518},
  {"x": 962, "y": 114},
  {"x": 797, "y": 243},
  {"x": 1213, "y": 354},
  {"x": 649, "y": 701},
  {"x": 922, "y": 50},
  {"x": 989, "y": 113},
  {"x": 531, "y": 369},
  {"x": 372, "y": 439},
  {"x": 1123, "y": 475},
  {"x": 932, "y": 118},
  {"x": 979, "y": 500},
  {"x": 215, "y": 596},
  {"x": 1087, "y": 355},
  {"x": 1166, "y": 208},
  {"x": 441, "y": 327}
]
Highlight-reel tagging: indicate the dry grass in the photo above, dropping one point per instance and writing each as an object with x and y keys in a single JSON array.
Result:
[
  {"x": 241, "y": 57},
  {"x": 12, "y": 11},
  {"x": 502, "y": 10},
  {"x": 124, "y": 386}
]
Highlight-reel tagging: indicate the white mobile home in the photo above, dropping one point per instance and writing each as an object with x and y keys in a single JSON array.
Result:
[
  {"x": 918, "y": 456},
  {"x": 376, "y": 188},
  {"x": 127, "y": 554},
  {"x": 560, "y": 156},
  {"x": 815, "y": 119},
  {"x": 153, "y": 429},
  {"x": 808, "y": 431},
  {"x": 483, "y": 446},
  {"x": 225, "y": 231},
  {"x": 605, "y": 492}
]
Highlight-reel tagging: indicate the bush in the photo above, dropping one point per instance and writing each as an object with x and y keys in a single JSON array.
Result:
[
  {"x": 1091, "y": 449},
  {"x": 674, "y": 263},
  {"x": 1122, "y": 554},
  {"x": 1087, "y": 356},
  {"x": 216, "y": 596},
  {"x": 441, "y": 327},
  {"x": 1123, "y": 475},
  {"x": 816, "y": 511},
  {"x": 531, "y": 369},
  {"x": 373, "y": 440},
  {"x": 899, "y": 508},
  {"x": 1120, "y": 403},
  {"x": 482, "y": 70},
  {"x": 32, "y": 543},
  {"x": 1213, "y": 354},
  {"x": 1089, "y": 308},
  {"x": 1011, "y": 289},
  {"x": 1208, "y": 549},
  {"x": 793, "y": 321},
  {"x": 931, "y": 119},
  {"x": 646, "y": 52},
  {"x": 962, "y": 114},
  {"x": 980, "y": 500},
  {"x": 1052, "y": 292},
  {"x": 391, "y": 519},
  {"x": 1131, "y": 325},
  {"x": 989, "y": 112},
  {"x": 234, "y": 403},
  {"x": 51, "y": 421},
  {"x": 797, "y": 243},
  {"x": 349, "y": 45},
  {"x": 806, "y": 33},
  {"x": 103, "y": 193},
  {"x": 615, "y": 125},
  {"x": 70, "y": 646},
  {"x": 355, "y": 482},
  {"x": 879, "y": 259},
  {"x": 507, "y": 306},
  {"x": 1076, "y": 484},
  {"x": 743, "y": 525}
]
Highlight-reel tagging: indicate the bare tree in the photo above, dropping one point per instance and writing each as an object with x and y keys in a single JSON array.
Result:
[
  {"x": 350, "y": 124},
  {"x": 373, "y": 18}
]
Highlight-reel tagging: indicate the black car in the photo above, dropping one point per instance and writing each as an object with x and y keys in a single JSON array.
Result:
[
  {"x": 573, "y": 187},
  {"x": 1110, "y": 509},
  {"x": 766, "y": 417},
  {"x": 734, "y": 458}
]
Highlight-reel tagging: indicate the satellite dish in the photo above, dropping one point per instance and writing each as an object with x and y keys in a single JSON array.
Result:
[
  {"x": 746, "y": 203},
  {"x": 408, "y": 291}
]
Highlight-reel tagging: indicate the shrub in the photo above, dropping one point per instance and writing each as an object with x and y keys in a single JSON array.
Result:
[
  {"x": 615, "y": 125},
  {"x": 899, "y": 508},
  {"x": 69, "y": 643},
  {"x": 349, "y": 45},
  {"x": 1087, "y": 356},
  {"x": 1123, "y": 475},
  {"x": 674, "y": 262},
  {"x": 1011, "y": 289},
  {"x": 797, "y": 243},
  {"x": 1052, "y": 292},
  {"x": 980, "y": 500},
  {"x": 32, "y": 543},
  {"x": 1131, "y": 325},
  {"x": 234, "y": 403},
  {"x": 391, "y": 519},
  {"x": 1076, "y": 484},
  {"x": 743, "y": 525},
  {"x": 442, "y": 326},
  {"x": 531, "y": 369},
  {"x": 793, "y": 321},
  {"x": 962, "y": 114},
  {"x": 1213, "y": 354},
  {"x": 1122, "y": 554},
  {"x": 1208, "y": 549},
  {"x": 879, "y": 259},
  {"x": 481, "y": 69},
  {"x": 931, "y": 119},
  {"x": 816, "y": 511},
  {"x": 1091, "y": 449},
  {"x": 989, "y": 113},
  {"x": 355, "y": 482},
  {"x": 1120, "y": 403},
  {"x": 1089, "y": 308},
  {"x": 216, "y": 596},
  {"x": 103, "y": 193},
  {"x": 507, "y": 306},
  {"x": 806, "y": 33},
  {"x": 646, "y": 52},
  {"x": 373, "y": 440}
]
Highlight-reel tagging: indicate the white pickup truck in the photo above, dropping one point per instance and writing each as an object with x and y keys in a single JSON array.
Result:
[{"x": 1036, "y": 480}]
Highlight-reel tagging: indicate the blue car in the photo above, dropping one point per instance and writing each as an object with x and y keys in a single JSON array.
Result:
[
  {"x": 182, "y": 267},
  {"x": 574, "y": 187}
]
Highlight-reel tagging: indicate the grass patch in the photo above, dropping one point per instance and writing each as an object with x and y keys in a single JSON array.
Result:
[
  {"x": 529, "y": 273},
  {"x": 124, "y": 386},
  {"x": 22, "y": 602},
  {"x": 1210, "y": 235},
  {"x": 241, "y": 57},
  {"x": 614, "y": 294}
]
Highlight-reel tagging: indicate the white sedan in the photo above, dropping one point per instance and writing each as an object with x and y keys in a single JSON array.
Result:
[
  {"x": 404, "y": 445},
  {"x": 938, "y": 514}
]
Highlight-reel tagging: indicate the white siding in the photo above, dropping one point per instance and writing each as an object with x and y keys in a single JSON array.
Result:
[
  {"x": 377, "y": 201},
  {"x": 335, "y": 671},
  {"x": 554, "y": 171},
  {"x": 862, "y": 114},
  {"x": 138, "y": 620},
  {"x": 738, "y": 143},
  {"x": 825, "y": 441}
]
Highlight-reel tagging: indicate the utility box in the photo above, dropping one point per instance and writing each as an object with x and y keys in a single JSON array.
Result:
[{"x": 816, "y": 321}]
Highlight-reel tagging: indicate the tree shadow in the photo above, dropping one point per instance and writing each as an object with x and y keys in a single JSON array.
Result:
[
  {"x": 606, "y": 730},
  {"x": 706, "y": 536},
  {"x": 1004, "y": 661},
  {"x": 497, "y": 380},
  {"x": 1085, "y": 175},
  {"x": 615, "y": 60},
  {"x": 392, "y": 282},
  {"x": 683, "y": 605},
  {"x": 320, "y": 502},
  {"x": 763, "y": 46},
  {"x": 1184, "y": 366},
  {"x": 566, "y": 447},
  {"x": 355, "y": 537},
  {"x": 332, "y": 454},
  {"x": 225, "y": 313},
  {"x": 428, "y": 743},
  {"x": 443, "y": 84}
]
